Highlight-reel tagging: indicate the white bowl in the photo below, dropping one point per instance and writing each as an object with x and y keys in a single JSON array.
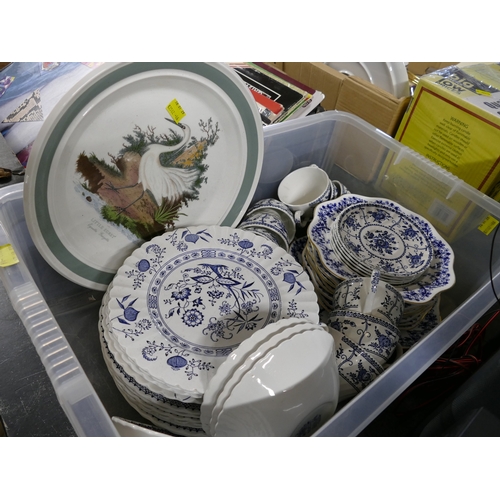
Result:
[
  {"x": 249, "y": 363},
  {"x": 291, "y": 391},
  {"x": 240, "y": 361}
]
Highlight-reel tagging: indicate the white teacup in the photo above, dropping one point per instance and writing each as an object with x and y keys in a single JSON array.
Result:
[{"x": 303, "y": 189}]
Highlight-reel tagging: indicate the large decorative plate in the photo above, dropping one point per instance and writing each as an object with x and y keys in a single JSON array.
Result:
[
  {"x": 439, "y": 275},
  {"x": 184, "y": 301},
  {"x": 135, "y": 148}
]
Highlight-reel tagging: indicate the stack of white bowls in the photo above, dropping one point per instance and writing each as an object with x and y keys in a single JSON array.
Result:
[{"x": 282, "y": 381}]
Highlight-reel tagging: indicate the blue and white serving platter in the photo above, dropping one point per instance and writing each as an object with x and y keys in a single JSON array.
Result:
[
  {"x": 183, "y": 302},
  {"x": 437, "y": 277},
  {"x": 135, "y": 148}
]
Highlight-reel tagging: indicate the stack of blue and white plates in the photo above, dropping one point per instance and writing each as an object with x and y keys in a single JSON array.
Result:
[{"x": 182, "y": 303}]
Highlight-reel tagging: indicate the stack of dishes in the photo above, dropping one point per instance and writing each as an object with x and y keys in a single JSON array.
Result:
[
  {"x": 354, "y": 235},
  {"x": 282, "y": 381},
  {"x": 182, "y": 303}
]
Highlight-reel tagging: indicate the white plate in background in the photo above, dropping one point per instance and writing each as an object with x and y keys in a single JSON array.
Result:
[{"x": 389, "y": 76}]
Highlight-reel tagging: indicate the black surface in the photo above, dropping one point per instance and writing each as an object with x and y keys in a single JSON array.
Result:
[
  {"x": 467, "y": 404},
  {"x": 28, "y": 402}
]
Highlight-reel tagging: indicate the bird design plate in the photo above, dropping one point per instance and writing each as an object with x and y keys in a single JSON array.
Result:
[
  {"x": 134, "y": 149},
  {"x": 184, "y": 301}
]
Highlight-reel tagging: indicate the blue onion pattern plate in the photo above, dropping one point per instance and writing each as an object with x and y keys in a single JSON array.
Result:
[
  {"x": 181, "y": 303},
  {"x": 439, "y": 275},
  {"x": 174, "y": 412}
]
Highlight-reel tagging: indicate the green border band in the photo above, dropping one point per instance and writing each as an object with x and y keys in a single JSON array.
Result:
[{"x": 42, "y": 177}]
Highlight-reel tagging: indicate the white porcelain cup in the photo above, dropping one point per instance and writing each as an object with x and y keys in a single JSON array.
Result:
[{"x": 303, "y": 189}]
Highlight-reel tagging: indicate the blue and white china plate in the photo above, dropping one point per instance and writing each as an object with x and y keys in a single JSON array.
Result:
[
  {"x": 438, "y": 276},
  {"x": 184, "y": 301},
  {"x": 141, "y": 383},
  {"x": 155, "y": 398},
  {"x": 175, "y": 413},
  {"x": 408, "y": 337},
  {"x": 376, "y": 236},
  {"x": 135, "y": 148}
]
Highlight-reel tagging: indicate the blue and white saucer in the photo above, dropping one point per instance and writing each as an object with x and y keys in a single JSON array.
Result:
[
  {"x": 375, "y": 235},
  {"x": 438, "y": 275}
]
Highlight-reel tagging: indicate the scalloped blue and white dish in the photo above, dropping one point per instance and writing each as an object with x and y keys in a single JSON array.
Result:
[
  {"x": 183, "y": 302},
  {"x": 438, "y": 276},
  {"x": 377, "y": 236}
]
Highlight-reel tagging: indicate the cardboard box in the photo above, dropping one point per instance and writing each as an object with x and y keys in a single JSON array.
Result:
[
  {"x": 350, "y": 93},
  {"x": 422, "y": 68},
  {"x": 453, "y": 120}
]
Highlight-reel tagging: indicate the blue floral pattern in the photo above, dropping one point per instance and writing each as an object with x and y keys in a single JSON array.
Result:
[
  {"x": 438, "y": 276},
  {"x": 355, "y": 365},
  {"x": 198, "y": 293},
  {"x": 381, "y": 237},
  {"x": 374, "y": 335}
]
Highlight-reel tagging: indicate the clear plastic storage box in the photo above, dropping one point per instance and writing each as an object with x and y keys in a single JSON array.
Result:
[{"x": 61, "y": 317}]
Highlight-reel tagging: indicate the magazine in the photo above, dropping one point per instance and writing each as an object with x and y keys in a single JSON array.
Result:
[{"x": 278, "y": 96}]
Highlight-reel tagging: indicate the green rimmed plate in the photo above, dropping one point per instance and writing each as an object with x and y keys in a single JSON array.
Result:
[{"x": 134, "y": 149}]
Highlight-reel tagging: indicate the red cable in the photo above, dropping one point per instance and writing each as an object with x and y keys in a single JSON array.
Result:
[{"x": 451, "y": 365}]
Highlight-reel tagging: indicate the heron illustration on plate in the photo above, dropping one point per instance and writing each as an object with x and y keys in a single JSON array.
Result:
[{"x": 152, "y": 178}]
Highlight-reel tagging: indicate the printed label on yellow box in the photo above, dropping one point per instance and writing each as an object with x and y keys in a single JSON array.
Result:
[
  {"x": 455, "y": 138},
  {"x": 488, "y": 225},
  {"x": 8, "y": 256},
  {"x": 454, "y": 123}
]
